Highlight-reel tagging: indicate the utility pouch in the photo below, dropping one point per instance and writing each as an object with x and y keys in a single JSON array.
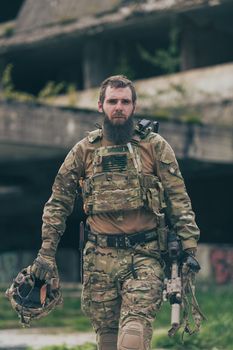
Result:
[
  {"x": 162, "y": 231},
  {"x": 153, "y": 193}
]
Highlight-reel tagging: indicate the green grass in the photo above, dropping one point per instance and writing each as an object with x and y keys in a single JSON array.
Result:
[
  {"x": 216, "y": 332},
  {"x": 68, "y": 315}
]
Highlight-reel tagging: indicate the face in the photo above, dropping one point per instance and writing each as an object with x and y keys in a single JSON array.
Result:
[{"x": 118, "y": 105}]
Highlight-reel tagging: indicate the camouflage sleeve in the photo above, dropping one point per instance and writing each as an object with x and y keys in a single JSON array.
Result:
[
  {"x": 61, "y": 203},
  {"x": 179, "y": 209}
]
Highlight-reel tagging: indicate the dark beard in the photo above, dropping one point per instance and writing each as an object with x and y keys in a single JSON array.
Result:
[{"x": 118, "y": 134}]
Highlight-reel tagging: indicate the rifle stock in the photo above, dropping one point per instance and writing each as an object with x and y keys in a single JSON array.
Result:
[{"x": 173, "y": 288}]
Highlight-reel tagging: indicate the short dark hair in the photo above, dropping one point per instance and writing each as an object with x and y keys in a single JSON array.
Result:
[{"x": 117, "y": 81}]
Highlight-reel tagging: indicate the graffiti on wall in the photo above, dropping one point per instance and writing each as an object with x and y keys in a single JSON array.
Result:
[{"x": 222, "y": 264}]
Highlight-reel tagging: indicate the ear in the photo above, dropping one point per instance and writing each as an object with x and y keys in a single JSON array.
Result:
[
  {"x": 100, "y": 107},
  {"x": 134, "y": 108}
]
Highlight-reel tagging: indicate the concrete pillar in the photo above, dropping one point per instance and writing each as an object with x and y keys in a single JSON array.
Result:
[
  {"x": 188, "y": 46},
  {"x": 198, "y": 48},
  {"x": 98, "y": 62},
  {"x": 203, "y": 43}
]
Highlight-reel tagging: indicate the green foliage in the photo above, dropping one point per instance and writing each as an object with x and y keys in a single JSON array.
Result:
[
  {"x": 168, "y": 60},
  {"x": 216, "y": 333},
  {"x": 8, "y": 317},
  {"x": 161, "y": 114},
  {"x": 68, "y": 316},
  {"x": 51, "y": 89},
  {"x": 8, "y": 88},
  {"x": 6, "y": 81},
  {"x": 72, "y": 94},
  {"x": 71, "y": 88},
  {"x": 8, "y": 32},
  {"x": 123, "y": 67},
  {"x": 191, "y": 118},
  {"x": 19, "y": 96},
  {"x": 7, "y": 29}
]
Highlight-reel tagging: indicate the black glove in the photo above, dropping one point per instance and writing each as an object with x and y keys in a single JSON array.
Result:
[
  {"x": 44, "y": 267},
  {"x": 191, "y": 251},
  {"x": 190, "y": 260}
]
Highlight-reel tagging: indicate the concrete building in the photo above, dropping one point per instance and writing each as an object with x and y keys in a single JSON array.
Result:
[{"x": 180, "y": 55}]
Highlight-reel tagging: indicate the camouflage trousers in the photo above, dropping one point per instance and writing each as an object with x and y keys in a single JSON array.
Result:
[{"x": 122, "y": 285}]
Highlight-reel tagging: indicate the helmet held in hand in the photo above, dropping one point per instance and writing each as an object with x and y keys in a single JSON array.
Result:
[{"x": 32, "y": 298}]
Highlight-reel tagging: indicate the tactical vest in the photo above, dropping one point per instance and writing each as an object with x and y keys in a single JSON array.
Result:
[{"x": 117, "y": 182}]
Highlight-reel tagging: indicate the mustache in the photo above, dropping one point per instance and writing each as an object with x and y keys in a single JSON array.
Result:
[{"x": 119, "y": 114}]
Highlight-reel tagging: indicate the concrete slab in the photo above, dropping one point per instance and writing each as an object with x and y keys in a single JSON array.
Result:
[{"x": 34, "y": 128}]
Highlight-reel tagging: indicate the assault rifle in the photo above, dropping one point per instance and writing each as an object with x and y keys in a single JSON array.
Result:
[{"x": 178, "y": 285}]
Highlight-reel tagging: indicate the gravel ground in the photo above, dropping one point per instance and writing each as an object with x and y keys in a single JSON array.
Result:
[{"x": 20, "y": 339}]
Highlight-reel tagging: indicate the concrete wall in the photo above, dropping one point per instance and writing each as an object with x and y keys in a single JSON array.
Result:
[
  {"x": 54, "y": 130},
  {"x": 12, "y": 262},
  {"x": 36, "y": 14},
  {"x": 205, "y": 93}
]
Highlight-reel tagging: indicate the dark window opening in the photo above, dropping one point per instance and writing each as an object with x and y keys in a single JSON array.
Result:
[{"x": 9, "y": 9}]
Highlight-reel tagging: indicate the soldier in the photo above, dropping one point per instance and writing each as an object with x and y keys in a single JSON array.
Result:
[{"x": 130, "y": 179}]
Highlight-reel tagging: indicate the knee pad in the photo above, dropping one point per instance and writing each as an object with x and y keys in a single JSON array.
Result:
[
  {"x": 107, "y": 341},
  {"x": 131, "y": 337}
]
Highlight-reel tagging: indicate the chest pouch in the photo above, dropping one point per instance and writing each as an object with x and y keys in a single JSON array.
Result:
[{"x": 115, "y": 184}]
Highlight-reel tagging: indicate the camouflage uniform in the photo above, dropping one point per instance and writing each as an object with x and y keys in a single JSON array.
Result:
[
  {"x": 114, "y": 294},
  {"x": 122, "y": 288}
]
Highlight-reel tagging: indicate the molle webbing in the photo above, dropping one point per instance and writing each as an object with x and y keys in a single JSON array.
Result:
[{"x": 117, "y": 182}]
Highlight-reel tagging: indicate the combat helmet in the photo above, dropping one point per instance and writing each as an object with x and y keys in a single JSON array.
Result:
[{"x": 32, "y": 298}]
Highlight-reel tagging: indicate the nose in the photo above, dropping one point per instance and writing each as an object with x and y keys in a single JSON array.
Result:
[{"x": 119, "y": 106}]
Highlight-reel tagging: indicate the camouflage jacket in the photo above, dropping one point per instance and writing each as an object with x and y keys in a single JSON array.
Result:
[{"x": 77, "y": 165}]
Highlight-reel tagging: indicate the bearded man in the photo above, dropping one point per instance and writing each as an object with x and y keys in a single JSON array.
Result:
[{"x": 129, "y": 180}]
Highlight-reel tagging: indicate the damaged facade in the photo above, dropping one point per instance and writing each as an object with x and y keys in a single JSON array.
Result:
[{"x": 180, "y": 55}]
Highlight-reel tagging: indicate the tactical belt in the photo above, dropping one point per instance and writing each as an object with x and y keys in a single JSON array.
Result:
[{"x": 121, "y": 241}]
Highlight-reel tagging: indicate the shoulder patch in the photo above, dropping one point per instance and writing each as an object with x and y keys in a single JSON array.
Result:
[
  {"x": 167, "y": 155},
  {"x": 95, "y": 135}
]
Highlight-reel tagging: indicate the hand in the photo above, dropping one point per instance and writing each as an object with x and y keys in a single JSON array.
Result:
[
  {"x": 191, "y": 251},
  {"x": 43, "y": 267},
  {"x": 190, "y": 260}
]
